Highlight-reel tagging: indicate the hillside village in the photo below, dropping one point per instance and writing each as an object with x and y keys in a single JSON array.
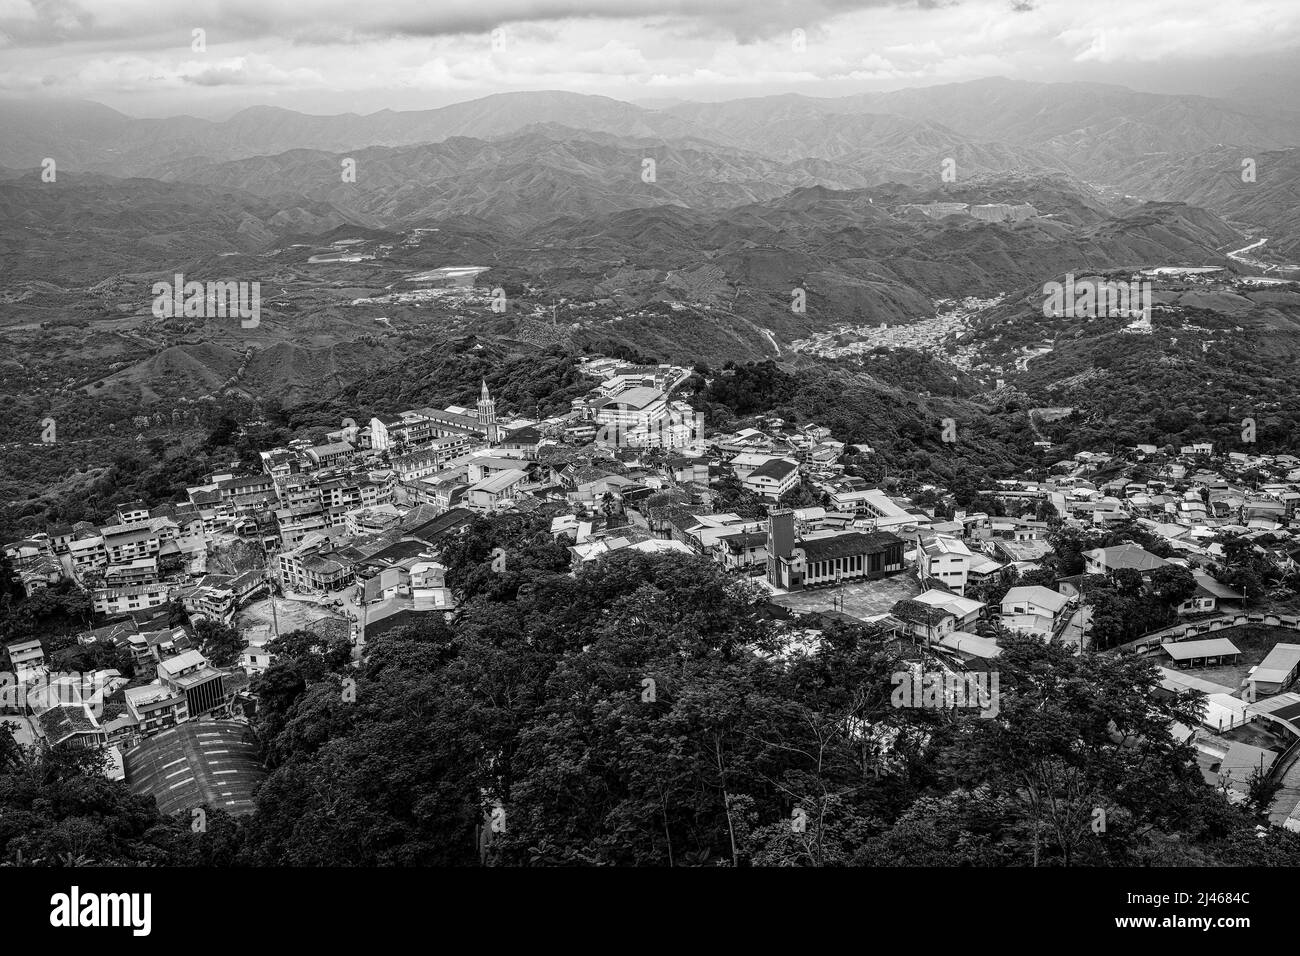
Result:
[{"x": 1165, "y": 553}]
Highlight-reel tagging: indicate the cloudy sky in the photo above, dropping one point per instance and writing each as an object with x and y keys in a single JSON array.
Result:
[{"x": 144, "y": 57}]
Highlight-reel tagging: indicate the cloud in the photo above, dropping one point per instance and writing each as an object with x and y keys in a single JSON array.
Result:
[{"x": 137, "y": 51}]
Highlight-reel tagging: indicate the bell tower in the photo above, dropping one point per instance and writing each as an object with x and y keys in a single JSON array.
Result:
[{"x": 487, "y": 415}]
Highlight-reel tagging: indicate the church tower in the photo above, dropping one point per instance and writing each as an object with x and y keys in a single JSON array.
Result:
[{"x": 487, "y": 415}]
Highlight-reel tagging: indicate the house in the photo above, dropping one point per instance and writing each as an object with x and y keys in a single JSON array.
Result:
[
  {"x": 25, "y": 656},
  {"x": 965, "y": 611},
  {"x": 1025, "y": 555},
  {"x": 1122, "y": 556},
  {"x": 684, "y": 470},
  {"x": 1210, "y": 652},
  {"x": 1035, "y": 609},
  {"x": 773, "y": 478},
  {"x": 923, "y": 621},
  {"x": 1274, "y": 673},
  {"x": 1209, "y": 593},
  {"x": 982, "y": 569},
  {"x": 255, "y": 660},
  {"x": 970, "y": 646},
  {"x": 742, "y": 550},
  {"x": 522, "y": 441}
]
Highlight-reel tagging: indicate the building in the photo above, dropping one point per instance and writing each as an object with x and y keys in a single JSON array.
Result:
[
  {"x": 946, "y": 560},
  {"x": 875, "y": 506},
  {"x": 114, "y": 601},
  {"x": 315, "y": 565},
  {"x": 327, "y": 456},
  {"x": 1210, "y": 652},
  {"x": 496, "y": 491},
  {"x": 202, "y": 685},
  {"x": 1275, "y": 673},
  {"x": 155, "y": 707},
  {"x": 487, "y": 415},
  {"x": 827, "y": 558},
  {"x": 200, "y": 763},
  {"x": 126, "y": 543},
  {"x": 773, "y": 478},
  {"x": 965, "y": 611},
  {"x": 742, "y": 550},
  {"x": 924, "y": 621},
  {"x": 636, "y": 416},
  {"x": 1034, "y": 609},
  {"x": 1209, "y": 593},
  {"x": 1122, "y": 556}
]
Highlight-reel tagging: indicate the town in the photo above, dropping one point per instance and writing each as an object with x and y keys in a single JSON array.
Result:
[{"x": 342, "y": 539}]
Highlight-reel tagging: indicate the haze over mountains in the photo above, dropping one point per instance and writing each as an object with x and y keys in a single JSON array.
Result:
[
  {"x": 746, "y": 200},
  {"x": 1084, "y": 127}
]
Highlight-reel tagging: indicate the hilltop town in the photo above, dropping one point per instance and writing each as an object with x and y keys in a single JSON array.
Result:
[{"x": 1181, "y": 555}]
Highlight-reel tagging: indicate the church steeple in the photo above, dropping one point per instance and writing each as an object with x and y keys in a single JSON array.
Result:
[{"x": 487, "y": 414}]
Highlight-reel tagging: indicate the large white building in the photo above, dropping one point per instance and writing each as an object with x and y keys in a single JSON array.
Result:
[{"x": 643, "y": 417}]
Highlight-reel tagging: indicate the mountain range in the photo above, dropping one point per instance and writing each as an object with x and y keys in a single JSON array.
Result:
[{"x": 680, "y": 231}]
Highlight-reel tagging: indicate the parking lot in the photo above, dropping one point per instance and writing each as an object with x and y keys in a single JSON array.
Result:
[{"x": 861, "y": 599}]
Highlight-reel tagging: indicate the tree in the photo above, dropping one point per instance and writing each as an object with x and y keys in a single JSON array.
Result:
[
  {"x": 220, "y": 643},
  {"x": 1173, "y": 585}
]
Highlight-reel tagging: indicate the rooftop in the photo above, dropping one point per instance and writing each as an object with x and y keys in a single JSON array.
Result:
[{"x": 199, "y": 763}]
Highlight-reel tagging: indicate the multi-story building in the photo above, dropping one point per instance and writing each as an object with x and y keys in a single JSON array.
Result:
[
  {"x": 944, "y": 559},
  {"x": 87, "y": 556},
  {"x": 773, "y": 478},
  {"x": 124, "y": 600},
  {"x": 202, "y": 685},
  {"x": 156, "y": 707},
  {"x": 327, "y": 456},
  {"x": 316, "y": 565},
  {"x": 417, "y": 427},
  {"x": 138, "y": 571},
  {"x": 126, "y": 543},
  {"x": 431, "y": 459}
]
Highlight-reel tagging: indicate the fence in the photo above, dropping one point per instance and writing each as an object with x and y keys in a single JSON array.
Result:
[{"x": 1186, "y": 632}]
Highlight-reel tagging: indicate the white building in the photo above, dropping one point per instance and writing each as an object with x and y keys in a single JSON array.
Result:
[
  {"x": 773, "y": 478},
  {"x": 945, "y": 559}
]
